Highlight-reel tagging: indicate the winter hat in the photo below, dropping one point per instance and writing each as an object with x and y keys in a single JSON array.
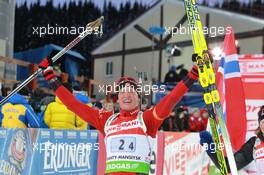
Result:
[
  {"x": 173, "y": 68},
  {"x": 261, "y": 114},
  {"x": 123, "y": 81}
]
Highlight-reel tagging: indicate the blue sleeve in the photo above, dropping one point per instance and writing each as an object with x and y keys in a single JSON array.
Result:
[
  {"x": 32, "y": 118},
  {"x": 41, "y": 120}
]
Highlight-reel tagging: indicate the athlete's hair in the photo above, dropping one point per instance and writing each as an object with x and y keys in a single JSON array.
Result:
[
  {"x": 259, "y": 134},
  {"x": 261, "y": 113},
  {"x": 260, "y": 117}
]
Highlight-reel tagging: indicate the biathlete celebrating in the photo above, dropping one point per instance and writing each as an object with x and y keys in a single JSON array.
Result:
[
  {"x": 252, "y": 150},
  {"x": 126, "y": 133}
]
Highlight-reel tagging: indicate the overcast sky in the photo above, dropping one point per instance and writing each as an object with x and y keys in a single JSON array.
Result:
[{"x": 98, "y": 2}]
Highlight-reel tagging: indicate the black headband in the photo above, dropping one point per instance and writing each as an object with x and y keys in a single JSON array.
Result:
[{"x": 131, "y": 84}]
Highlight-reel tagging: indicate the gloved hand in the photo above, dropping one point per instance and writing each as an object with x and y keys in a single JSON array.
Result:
[
  {"x": 194, "y": 56},
  {"x": 193, "y": 73},
  {"x": 191, "y": 77},
  {"x": 46, "y": 66},
  {"x": 206, "y": 138}
]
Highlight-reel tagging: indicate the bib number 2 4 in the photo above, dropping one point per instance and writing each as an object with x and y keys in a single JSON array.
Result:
[{"x": 127, "y": 144}]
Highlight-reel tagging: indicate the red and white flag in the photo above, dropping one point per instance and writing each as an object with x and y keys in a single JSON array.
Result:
[{"x": 231, "y": 92}]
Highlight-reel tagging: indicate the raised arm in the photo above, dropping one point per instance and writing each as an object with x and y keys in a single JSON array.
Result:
[
  {"x": 166, "y": 105},
  {"x": 87, "y": 113},
  {"x": 154, "y": 117}
]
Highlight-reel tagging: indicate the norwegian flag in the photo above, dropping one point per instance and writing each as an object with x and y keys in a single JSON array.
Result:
[{"x": 231, "y": 92}]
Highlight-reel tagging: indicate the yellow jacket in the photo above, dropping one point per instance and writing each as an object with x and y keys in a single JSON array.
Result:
[
  {"x": 17, "y": 113},
  {"x": 57, "y": 116}
]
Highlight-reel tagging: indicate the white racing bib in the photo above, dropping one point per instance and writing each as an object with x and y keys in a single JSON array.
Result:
[
  {"x": 123, "y": 144},
  {"x": 259, "y": 156},
  {"x": 127, "y": 152}
]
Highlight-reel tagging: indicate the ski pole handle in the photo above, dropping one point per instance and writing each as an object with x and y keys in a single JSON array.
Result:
[{"x": 90, "y": 26}]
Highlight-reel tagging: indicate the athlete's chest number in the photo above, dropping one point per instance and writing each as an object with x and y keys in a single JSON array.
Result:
[{"x": 123, "y": 144}]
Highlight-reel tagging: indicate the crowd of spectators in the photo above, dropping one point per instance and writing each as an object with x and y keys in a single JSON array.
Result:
[
  {"x": 41, "y": 109},
  {"x": 182, "y": 120}
]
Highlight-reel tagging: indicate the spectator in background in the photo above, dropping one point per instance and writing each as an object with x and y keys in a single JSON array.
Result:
[
  {"x": 86, "y": 100},
  {"x": 1, "y": 97},
  {"x": 5, "y": 91},
  {"x": 108, "y": 105},
  {"x": 204, "y": 115},
  {"x": 172, "y": 76},
  {"x": 167, "y": 124},
  {"x": 181, "y": 119},
  {"x": 144, "y": 104},
  {"x": 40, "y": 99},
  {"x": 98, "y": 105},
  {"x": 1, "y": 91},
  {"x": 17, "y": 113},
  {"x": 46, "y": 101},
  {"x": 182, "y": 71},
  {"x": 195, "y": 121},
  {"x": 57, "y": 116},
  {"x": 107, "y": 102}
]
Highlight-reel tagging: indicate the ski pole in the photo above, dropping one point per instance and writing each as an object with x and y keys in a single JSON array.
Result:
[{"x": 89, "y": 27}]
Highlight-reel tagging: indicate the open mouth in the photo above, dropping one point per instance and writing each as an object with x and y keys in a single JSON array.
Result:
[{"x": 127, "y": 101}]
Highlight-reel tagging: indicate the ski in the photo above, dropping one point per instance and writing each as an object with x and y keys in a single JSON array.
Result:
[{"x": 207, "y": 81}]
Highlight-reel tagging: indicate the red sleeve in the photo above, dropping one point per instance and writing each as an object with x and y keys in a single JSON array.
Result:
[
  {"x": 93, "y": 116},
  {"x": 154, "y": 117},
  {"x": 163, "y": 109},
  {"x": 151, "y": 123}
]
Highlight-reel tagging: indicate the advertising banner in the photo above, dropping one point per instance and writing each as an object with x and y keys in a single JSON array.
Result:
[
  {"x": 65, "y": 152},
  {"x": 3, "y": 133},
  {"x": 184, "y": 155},
  {"x": 252, "y": 71},
  {"x": 16, "y": 152},
  {"x": 45, "y": 151}
]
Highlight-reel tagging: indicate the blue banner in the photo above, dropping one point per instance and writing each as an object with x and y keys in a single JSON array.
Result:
[
  {"x": 65, "y": 152},
  {"x": 45, "y": 151},
  {"x": 3, "y": 134},
  {"x": 16, "y": 152}
]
